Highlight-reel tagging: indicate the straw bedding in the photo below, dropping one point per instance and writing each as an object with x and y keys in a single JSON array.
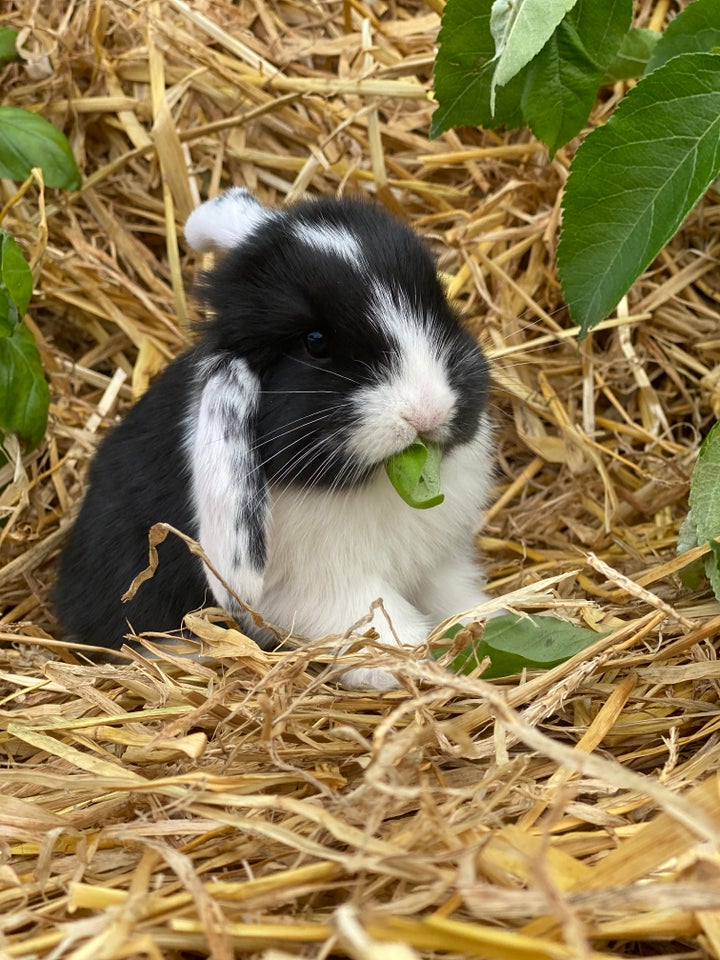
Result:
[{"x": 165, "y": 806}]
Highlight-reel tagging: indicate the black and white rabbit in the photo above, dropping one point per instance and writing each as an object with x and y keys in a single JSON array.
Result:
[{"x": 330, "y": 346}]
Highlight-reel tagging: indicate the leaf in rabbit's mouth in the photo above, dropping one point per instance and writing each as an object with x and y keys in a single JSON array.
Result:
[{"x": 415, "y": 474}]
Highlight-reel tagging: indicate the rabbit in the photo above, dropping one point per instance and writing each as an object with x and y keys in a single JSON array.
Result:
[{"x": 330, "y": 345}]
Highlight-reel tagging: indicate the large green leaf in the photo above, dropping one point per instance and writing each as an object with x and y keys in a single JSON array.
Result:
[
  {"x": 633, "y": 56},
  {"x": 464, "y": 68},
  {"x": 28, "y": 140},
  {"x": 634, "y": 180},
  {"x": 696, "y": 29},
  {"x": 514, "y": 644},
  {"x": 15, "y": 275},
  {"x": 24, "y": 393},
  {"x": 563, "y": 79},
  {"x": 9, "y": 316},
  {"x": 702, "y": 523},
  {"x": 520, "y": 29}
]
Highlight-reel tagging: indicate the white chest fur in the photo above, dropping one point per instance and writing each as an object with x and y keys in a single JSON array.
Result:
[{"x": 331, "y": 556}]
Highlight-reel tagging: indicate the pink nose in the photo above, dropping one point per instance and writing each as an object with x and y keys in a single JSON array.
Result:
[{"x": 428, "y": 418}]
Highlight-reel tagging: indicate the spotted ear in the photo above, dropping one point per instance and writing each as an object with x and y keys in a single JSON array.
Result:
[
  {"x": 229, "y": 490},
  {"x": 225, "y": 221}
]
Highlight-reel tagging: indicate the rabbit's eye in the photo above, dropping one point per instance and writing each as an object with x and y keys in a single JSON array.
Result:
[{"x": 317, "y": 344}]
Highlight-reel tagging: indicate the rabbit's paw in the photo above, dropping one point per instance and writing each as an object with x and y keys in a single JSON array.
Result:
[{"x": 368, "y": 678}]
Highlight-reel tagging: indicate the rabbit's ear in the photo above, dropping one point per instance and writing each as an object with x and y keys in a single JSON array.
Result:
[
  {"x": 226, "y": 221},
  {"x": 229, "y": 490}
]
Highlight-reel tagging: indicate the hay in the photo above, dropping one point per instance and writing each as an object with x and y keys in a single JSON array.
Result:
[{"x": 166, "y": 806}]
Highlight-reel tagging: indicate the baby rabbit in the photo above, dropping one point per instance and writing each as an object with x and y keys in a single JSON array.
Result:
[{"x": 330, "y": 347}]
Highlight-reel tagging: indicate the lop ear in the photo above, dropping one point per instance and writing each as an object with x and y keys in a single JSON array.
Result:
[
  {"x": 226, "y": 221},
  {"x": 231, "y": 501}
]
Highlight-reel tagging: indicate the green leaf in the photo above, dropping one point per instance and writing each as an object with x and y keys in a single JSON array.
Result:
[
  {"x": 415, "y": 474},
  {"x": 563, "y": 79},
  {"x": 687, "y": 535},
  {"x": 632, "y": 58},
  {"x": 520, "y": 29},
  {"x": 696, "y": 29},
  {"x": 702, "y": 524},
  {"x": 15, "y": 276},
  {"x": 24, "y": 393},
  {"x": 9, "y": 316},
  {"x": 28, "y": 140},
  {"x": 634, "y": 180},
  {"x": 463, "y": 71},
  {"x": 712, "y": 567},
  {"x": 8, "y": 50},
  {"x": 516, "y": 643},
  {"x": 690, "y": 576}
]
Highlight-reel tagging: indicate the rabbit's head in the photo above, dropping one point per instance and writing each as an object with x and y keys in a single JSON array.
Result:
[{"x": 337, "y": 311}]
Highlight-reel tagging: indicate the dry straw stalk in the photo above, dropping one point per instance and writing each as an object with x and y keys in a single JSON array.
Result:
[{"x": 246, "y": 805}]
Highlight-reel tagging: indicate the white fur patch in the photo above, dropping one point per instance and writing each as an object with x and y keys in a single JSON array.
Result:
[
  {"x": 330, "y": 239},
  {"x": 226, "y": 221},
  {"x": 414, "y": 397},
  {"x": 331, "y": 555},
  {"x": 226, "y": 482}
]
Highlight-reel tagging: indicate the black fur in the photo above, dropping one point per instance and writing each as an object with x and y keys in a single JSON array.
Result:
[{"x": 139, "y": 477}]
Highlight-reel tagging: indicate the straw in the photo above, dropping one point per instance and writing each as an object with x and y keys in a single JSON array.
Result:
[{"x": 207, "y": 797}]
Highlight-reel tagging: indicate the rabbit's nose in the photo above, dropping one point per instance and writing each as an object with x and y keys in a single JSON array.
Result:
[{"x": 426, "y": 418}]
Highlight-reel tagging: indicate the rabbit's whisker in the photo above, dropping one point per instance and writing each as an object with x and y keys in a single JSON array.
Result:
[
  {"x": 303, "y": 424},
  {"x": 316, "y": 367}
]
